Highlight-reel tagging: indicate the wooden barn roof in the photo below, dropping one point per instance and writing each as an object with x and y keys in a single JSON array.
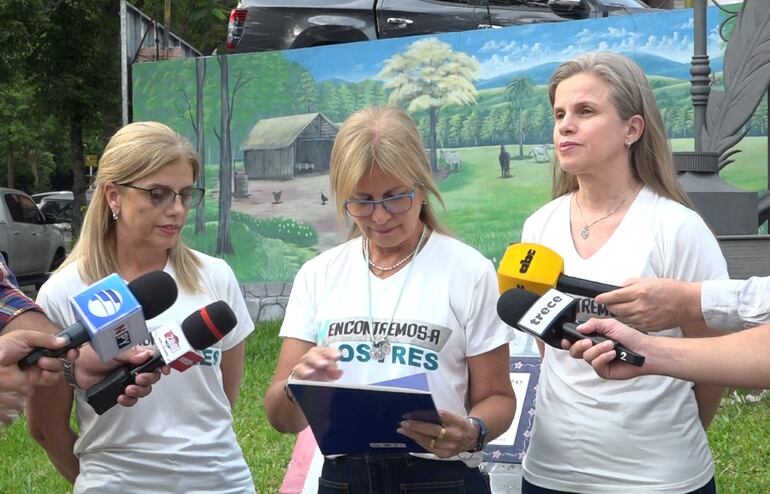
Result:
[{"x": 279, "y": 132}]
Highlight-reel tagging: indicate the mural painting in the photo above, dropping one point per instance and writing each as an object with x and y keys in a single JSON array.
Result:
[{"x": 479, "y": 99}]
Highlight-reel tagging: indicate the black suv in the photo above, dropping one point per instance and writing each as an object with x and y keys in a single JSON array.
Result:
[{"x": 260, "y": 25}]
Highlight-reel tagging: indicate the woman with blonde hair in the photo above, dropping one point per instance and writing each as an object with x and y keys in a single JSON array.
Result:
[
  {"x": 398, "y": 267},
  {"x": 618, "y": 213},
  {"x": 180, "y": 438}
]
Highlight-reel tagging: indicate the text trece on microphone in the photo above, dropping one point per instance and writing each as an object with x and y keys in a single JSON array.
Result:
[{"x": 551, "y": 318}]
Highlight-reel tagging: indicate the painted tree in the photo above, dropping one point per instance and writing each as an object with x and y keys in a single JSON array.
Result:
[
  {"x": 519, "y": 90},
  {"x": 226, "y": 98},
  {"x": 471, "y": 128},
  {"x": 305, "y": 91},
  {"x": 429, "y": 75},
  {"x": 200, "y": 139}
]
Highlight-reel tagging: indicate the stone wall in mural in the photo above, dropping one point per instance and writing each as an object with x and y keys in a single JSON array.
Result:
[{"x": 487, "y": 128}]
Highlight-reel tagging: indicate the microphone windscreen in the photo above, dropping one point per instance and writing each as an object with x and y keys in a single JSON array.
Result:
[
  {"x": 208, "y": 325},
  {"x": 155, "y": 291},
  {"x": 514, "y": 303}
]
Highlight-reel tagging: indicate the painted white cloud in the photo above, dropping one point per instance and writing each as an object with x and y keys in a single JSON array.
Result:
[{"x": 686, "y": 25}]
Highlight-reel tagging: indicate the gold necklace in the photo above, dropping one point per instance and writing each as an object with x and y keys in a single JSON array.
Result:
[
  {"x": 584, "y": 232},
  {"x": 382, "y": 270}
]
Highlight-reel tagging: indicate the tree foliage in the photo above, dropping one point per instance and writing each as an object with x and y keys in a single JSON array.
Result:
[
  {"x": 59, "y": 91},
  {"x": 429, "y": 75}
]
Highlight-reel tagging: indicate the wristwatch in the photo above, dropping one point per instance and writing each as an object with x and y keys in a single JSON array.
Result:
[
  {"x": 482, "y": 428},
  {"x": 69, "y": 373}
]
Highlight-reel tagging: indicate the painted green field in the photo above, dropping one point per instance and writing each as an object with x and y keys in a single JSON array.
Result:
[{"x": 488, "y": 212}]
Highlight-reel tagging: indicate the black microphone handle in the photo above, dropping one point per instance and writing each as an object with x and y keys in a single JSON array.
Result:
[
  {"x": 104, "y": 395},
  {"x": 579, "y": 286},
  {"x": 77, "y": 336},
  {"x": 622, "y": 353}
]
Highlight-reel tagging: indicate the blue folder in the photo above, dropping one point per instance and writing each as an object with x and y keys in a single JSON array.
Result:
[{"x": 356, "y": 419}]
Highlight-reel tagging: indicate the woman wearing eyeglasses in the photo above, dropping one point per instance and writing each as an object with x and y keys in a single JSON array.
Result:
[
  {"x": 179, "y": 438},
  {"x": 400, "y": 299}
]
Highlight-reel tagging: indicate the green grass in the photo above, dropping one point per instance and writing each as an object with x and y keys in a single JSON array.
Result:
[{"x": 739, "y": 437}]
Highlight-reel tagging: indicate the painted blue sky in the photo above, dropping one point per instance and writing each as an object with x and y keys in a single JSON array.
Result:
[{"x": 501, "y": 51}]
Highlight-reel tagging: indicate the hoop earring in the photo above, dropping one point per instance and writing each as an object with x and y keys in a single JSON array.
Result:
[{"x": 115, "y": 215}]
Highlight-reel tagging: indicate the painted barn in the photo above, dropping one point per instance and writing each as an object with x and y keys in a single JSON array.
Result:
[{"x": 284, "y": 147}]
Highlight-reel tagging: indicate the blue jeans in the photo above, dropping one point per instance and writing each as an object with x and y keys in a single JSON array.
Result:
[
  {"x": 527, "y": 488},
  {"x": 399, "y": 474}
]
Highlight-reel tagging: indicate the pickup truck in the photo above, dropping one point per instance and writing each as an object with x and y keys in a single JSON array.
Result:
[
  {"x": 261, "y": 25},
  {"x": 29, "y": 242}
]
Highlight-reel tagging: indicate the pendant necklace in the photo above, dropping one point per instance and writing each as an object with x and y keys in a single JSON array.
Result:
[
  {"x": 381, "y": 346},
  {"x": 584, "y": 232}
]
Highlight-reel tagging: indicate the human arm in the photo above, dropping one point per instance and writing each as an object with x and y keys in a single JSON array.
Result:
[
  {"x": 17, "y": 384},
  {"x": 736, "y": 359},
  {"x": 655, "y": 304},
  {"x": 232, "y": 372},
  {"x": 708, "y": 396},
  {"x": 48, "y": 421},
  {"x": 306, "y": 361},
  {"x": 491, "y": 399},
  {"x": 736, "y": 304}
]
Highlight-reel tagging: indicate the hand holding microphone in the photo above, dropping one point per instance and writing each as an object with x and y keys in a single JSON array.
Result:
[
  {"x": 551, "y": 319},
  {"x": 111, "y": 315},
  {"x": 16, "y": 384},
  {"x": 177, "y": 347},
  {"x": 603, "y": 356}
]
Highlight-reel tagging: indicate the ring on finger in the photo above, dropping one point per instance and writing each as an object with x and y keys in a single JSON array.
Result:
[
  {"x": 433, "y": 443},
  {"x": 441, "y": 433}
]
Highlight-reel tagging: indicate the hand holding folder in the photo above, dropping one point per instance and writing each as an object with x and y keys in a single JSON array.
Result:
[{"x": 352, "y": 419}]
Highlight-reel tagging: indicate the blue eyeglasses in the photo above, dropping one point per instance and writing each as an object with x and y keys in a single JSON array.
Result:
[{"x": 394, "y": 205}]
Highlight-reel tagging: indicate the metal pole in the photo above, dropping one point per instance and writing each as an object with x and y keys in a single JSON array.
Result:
[
  {"x": 700, "y": 70},
  {"x": 124, "y": 62}
]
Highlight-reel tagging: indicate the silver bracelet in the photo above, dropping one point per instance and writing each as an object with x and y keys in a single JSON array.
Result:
[{"x": 69, "y": 373}]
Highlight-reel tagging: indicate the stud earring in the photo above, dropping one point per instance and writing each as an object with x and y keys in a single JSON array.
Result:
[
  {"x": 115, "y": 215},
  {"x": 628, "y": 144},
  {"x": 424, "y": 202}
]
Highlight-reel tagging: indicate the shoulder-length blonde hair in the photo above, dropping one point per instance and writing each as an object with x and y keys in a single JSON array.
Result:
[
  {"x": 388, "y": 138},
  {"x": 651, "y": 160},
  {"x": 134, "y": 152}
]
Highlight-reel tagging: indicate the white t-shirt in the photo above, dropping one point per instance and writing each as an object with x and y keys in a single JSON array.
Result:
[
  {"x": 736, "y": 304},
  {"x": 642, "y": 435},
  {"x": 180, "y": 437},
  {"x": 446, "y": 314}
]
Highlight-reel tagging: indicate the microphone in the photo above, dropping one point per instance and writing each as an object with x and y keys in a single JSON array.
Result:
[
  {"x": 177, "y": 346},
  {"x": 537, "y": 268},
  {"x": 551, "y": 318},
  {"x": 111, "y": 315}
]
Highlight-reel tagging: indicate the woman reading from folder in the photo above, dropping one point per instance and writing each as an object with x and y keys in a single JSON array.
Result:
[{"x": 398, "y": 268}]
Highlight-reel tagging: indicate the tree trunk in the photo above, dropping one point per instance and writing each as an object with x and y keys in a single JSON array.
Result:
[
  {"x": 78, "y": 171},
  {"x": 433, "y": 113},
  {"x": 224, "y": 244},
  {"x": 31, "y": 159},
  {"x": 521, "y": 137},
  {"x": 10, "y": 165},
  {"x": 200, "y": 80}
]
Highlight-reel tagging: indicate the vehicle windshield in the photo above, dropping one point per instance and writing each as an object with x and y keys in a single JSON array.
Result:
[{"x": 59, "y": 209}]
